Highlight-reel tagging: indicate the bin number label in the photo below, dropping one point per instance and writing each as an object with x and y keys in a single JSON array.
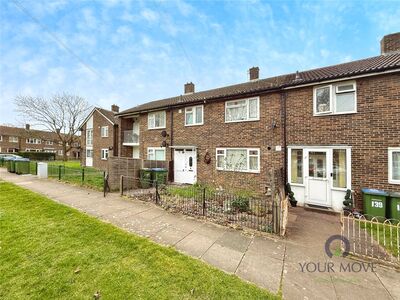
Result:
[
  {"x": 398, "y": 207},
  {"x": 377, "y": 204}
]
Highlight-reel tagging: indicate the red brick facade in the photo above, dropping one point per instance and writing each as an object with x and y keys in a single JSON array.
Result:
[
  {"x": 369, "y": 132},
  {"x": 99, "y": 142}
]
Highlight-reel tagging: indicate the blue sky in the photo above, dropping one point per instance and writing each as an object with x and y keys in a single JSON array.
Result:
[{"x": 130, "y": 52}]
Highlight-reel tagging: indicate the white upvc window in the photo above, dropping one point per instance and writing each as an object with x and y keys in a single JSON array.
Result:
[
  {"x": 238, "y": 159},
  {"x": 242, "y": 110},
  {"x": 33, "y": 141},
  {"x": 60, "y": 152},
  {"x": 194, "y": 115},
  {"x": 104, "y": 131},
  {"x": 394, "y": 165},
  {"x": 338, "y": 98},
  {"x": 156, "y": 153},
  {"x": 89, "y": 153},
  {"x": 156, "y": 120},
  {"x": 89, "y": 137},
  {"x": 49, "y": 142},
  {"x": 104, "y": 154},
  {"x": 13, "y": 139}
]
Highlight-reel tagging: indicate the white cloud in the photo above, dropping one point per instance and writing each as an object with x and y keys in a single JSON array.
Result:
[{"x": 150, "y": 15}]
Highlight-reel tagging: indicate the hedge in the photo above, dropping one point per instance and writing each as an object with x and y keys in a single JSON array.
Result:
[{"x": 38, "y": 155}]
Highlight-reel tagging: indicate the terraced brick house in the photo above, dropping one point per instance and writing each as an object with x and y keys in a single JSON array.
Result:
[
  {"x": 99, "y": 138},
  {"x": 14, "y": 139},
  {"x": 331, "y": 129}
]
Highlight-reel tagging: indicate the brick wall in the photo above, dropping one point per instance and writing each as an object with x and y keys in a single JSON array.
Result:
[
  {"x": 370, "y": 131},
  {"x": 99, "y": 142}
]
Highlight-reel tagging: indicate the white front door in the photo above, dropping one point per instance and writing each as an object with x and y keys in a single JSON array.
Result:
[
  {"x": 89, "y": 157},
  {"x": 318, "y": 168},
  {"x": 185, "y": 165}
]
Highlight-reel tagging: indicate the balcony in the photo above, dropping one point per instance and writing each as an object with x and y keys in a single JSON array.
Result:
[{"x": 130, "y": 138}]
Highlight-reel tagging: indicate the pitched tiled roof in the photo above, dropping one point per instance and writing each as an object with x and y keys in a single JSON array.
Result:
[
  {"x": 108, "y": 113},
  {"x": 22, "y": 132},
  {"x": 359, "y": 67}
]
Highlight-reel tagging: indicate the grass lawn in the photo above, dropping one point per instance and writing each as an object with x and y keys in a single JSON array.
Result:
[
  {"x": 50, "y": 251},
  {"x": 382, "y": 232},
  {"x": 71, "y": 172}
]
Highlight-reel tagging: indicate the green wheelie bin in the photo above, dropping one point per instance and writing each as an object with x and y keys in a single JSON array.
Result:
[
  {"x": 159, "y": 175},
  {"x": 22, "y": 166},
  {"x": 375, "y": 203},
  {"x": 394, "y": 206},
  {"x": 10, "y": 163},
  {"x": 145, "y": 178}
]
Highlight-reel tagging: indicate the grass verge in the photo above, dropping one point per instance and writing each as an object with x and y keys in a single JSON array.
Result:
[{"x": 49, "y": 251}]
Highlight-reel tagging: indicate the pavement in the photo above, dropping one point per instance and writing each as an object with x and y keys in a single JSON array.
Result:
[{"x": 297, "y": 266}]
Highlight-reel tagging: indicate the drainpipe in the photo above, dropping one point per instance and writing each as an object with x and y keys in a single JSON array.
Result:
[{"x": 283, "y": 113}]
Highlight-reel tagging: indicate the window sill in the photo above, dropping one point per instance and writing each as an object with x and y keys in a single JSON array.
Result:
[
  {"x": 237, "y": 171},
  {"x": 394, "y": 181},
  {"x": 104, "y": 158},
  {"x": 241, "y": 121},
  {"x": 191, "y": 125},
  {"x": 156, "y": 128},
  {"x": 339, "y": 189},
  {"x": 297, "y": 184},
  {"x": 334, "y": 114}
]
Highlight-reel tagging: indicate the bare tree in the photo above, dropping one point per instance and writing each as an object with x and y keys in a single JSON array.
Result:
[{"x": 61, "y": 114}]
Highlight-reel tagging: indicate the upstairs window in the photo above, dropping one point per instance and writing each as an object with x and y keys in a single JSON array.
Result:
[
  {"x": 194, "y": 115},
  {"x": 104, "y": 131},
  {"x": 33, "y": 141},
  {"x": 49, "y": 142},
  {"x": 337, "y": 98},
  {"x": 13, "y": 139},
  {"x": 242, "y": 110},
  {"x": 89, "y": 137},
  {"x": 394, "y": 165},
  {"x": 156, "y": 120},
  {"x": 104, "y": 154}
]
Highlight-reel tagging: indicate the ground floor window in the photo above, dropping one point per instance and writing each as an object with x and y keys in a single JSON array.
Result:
[
  {"x": 104, "y": 154},
  {"x": 238, "y": 159},
  {"x": 394, "y": 165},
  {"x": 155, "y": 153},
  {"x": 89, "y": 153},
  {"x": 339, "y": 168},
  {"x": 296, "y": 167}
]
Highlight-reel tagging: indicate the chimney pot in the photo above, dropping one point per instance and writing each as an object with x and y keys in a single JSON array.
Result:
[
  {"x": 189, "y": 88},
  {"x": 27, "y": 126},
  {"x": 390, "y": 43},
  {"x": 115, "y": 108},
  {"x": 254, "y": 73}
]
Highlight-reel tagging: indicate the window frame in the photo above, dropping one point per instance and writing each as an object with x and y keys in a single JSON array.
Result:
[
  {"x": 150, "y": 114},
  {"x": 87, "y": 137},
  {"x": 247, "y": 110},
  {"x": 104, "y": 151},
  {"x": 105, "y": 128},
  {"x": 154, "y": 150},
  {"x": 36, "y": 141},
  {"x": 248, "y": 150},
  {"x": 194, "y": 115},
  {"x": 13, "y": 139},
  {"x": 390, "y": 165},
  {"x": 49, "y": 143},
  {"x": 333, "y": 90}
]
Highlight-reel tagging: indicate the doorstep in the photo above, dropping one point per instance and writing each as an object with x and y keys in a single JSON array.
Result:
[{"x": 321, "y": 209}]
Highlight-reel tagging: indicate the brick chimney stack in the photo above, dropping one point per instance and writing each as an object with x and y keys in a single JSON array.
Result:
[
  {"x": 27, "y": 126},
  {"x": 390, "y": 43},
  {"x": 254, "y": 73},
  {"x": 115, "y": 108},
  {"x": 189, "y": 88}
]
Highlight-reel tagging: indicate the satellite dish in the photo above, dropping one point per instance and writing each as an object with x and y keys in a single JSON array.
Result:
[
  {"x": 164, "y": 144},
  {"x": 163, "y": 133}
]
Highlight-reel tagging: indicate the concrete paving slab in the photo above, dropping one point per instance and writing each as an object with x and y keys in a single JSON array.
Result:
[
  {"x": 390, "y": 279},
  {"x": 261, "y": 269},
  {"x": 267, "y": 247},
  {"x": 210, "y": 230},
  {"x": 231, "y": 239},
  {"x": 195, "y": 244},
  {"x": 169, "y": 236},
  {"x": 223, "y": 258},
  {"x": 152, "y": 213}
]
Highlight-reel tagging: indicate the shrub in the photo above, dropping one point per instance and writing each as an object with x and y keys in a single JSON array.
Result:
[
  {"x": 38, "y": 155},
  {"x": 241, "y": 204}
]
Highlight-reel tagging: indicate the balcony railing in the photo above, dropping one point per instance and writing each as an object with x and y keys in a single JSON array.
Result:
[{"x": 131, "y": 137}]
